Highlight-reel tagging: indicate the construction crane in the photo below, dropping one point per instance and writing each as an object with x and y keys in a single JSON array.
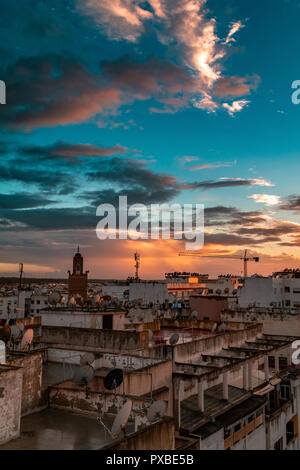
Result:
[
  {"x": 244, "y": 258},
  {"x": 137, "y": 259}
]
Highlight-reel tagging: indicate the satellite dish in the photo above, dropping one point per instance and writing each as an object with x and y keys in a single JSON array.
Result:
[
  {"x": 121, "y": 419},
  {"x": 174, "y": 339},
  {"x": 214, "y": 328},
  {"x": 27, "y": 339},
  {"x": 54, "y": 298},
  {"x": 113, "y": 379},
  {"x": 150, "y": 335},
  {"x": 83, "y": 375},
  {"x": 195, "y": 315},
  {"x": 222, "y": 327},
  {"x": 15, "y": 332},
  {"x": 156, "y": 411},
  {"x": 87, "y": 359}
]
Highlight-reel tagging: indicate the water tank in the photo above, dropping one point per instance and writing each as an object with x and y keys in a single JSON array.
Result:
[{"x": 2, "y": 353}]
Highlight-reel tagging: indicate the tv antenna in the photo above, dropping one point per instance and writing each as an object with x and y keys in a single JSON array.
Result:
[
  {"x": 21, "y": 274},
  {"x": 137, "y": 259}
]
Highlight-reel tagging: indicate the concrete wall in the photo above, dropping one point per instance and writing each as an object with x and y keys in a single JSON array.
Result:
[
  {"x": 32, "y": 365},
  {"x": 273, "y": 323},
  {"x": 10, "y": 402},
  {"x": 101, "y": 340},
  {"x": 258, "y": 291},
  {"x": 158, "y": 436},
  {"x": 156, "y": 292},
  {"x": 208, "y": 307},
  {"x": 78, "y": 319}
]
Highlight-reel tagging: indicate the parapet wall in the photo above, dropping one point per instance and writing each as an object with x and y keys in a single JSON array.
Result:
[{"x": 102, "y": 340}]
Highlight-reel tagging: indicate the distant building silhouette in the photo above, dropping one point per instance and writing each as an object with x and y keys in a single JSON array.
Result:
[{"x": 78, "y": 280}]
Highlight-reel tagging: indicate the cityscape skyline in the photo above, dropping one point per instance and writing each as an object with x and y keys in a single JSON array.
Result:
[{"x": 162, "y": 101}]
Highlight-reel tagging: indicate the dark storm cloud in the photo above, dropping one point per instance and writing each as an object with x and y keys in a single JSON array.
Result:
[
  {"x": 53, "y": 219},
  {"x": 236, "y": 240},
  {"x": 23, "y": 201},
  {"x": 228, "y": 183},
  {"x": 292, "y": 203},
  {"x": 133, "y": 174},
  {"x": 46, "y": 180},
  {"x": 56, "y": 90}
]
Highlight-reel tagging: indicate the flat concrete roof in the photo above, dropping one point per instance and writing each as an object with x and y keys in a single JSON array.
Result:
[{"x": 59, "y": 430}]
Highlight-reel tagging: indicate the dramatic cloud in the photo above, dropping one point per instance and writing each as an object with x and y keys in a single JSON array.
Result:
[
  {"x": 235, "y": 87},
  {"x": 268, "y": 199},
  {"x": 185, "y": 27}
]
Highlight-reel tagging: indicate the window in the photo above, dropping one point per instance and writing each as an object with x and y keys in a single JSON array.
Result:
[
  {"x": 237, "y": 427},
  {"x": 279, "y": 444},
  {"x": 38, "y": 302},
  {"x": 292, "y": 429},
  {"x": 287, "y": 290},
  {"x": 251, "y": 418},
  {"x": 287, "y": 303},
  {"x": 259, "y": 412},
  {"x": 227, "y": 433},
  {"x": 285, "y": 392},
  {"x": 296, "y": 291}
]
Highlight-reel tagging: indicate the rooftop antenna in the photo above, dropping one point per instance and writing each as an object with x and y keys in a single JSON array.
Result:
[
  {"x": 156, "y": 411},
  {"x": 21, "y": 274},
  {"x": 137, "y": 259}
]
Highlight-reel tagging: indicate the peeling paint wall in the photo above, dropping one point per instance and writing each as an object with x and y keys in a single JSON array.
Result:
[
  {"x": 10, "y": 403},
  {"x": 32, "y": 366}
]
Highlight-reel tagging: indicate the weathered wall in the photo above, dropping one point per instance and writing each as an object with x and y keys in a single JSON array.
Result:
[
  {"x": 79, "y": 319},
  {"x": 32, "y": 366},
  {"x": 273, "y": 323},
  {"x": 10, "y": 402},
  {"x": 208, "y": 307},
  {"x": 105, "y": 340},
  {"x": 158, "y": 436}
]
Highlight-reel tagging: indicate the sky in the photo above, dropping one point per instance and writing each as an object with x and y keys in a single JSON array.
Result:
[{"x": 165, "y": 101}]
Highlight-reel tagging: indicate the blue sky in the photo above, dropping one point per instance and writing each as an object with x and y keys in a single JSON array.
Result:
[{"x": 186, "y": 101}]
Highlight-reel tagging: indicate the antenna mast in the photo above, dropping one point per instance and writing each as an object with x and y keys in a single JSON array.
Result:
[
  {"x": 21, "y": 274},
  {"x": 137, "y": 259}
]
